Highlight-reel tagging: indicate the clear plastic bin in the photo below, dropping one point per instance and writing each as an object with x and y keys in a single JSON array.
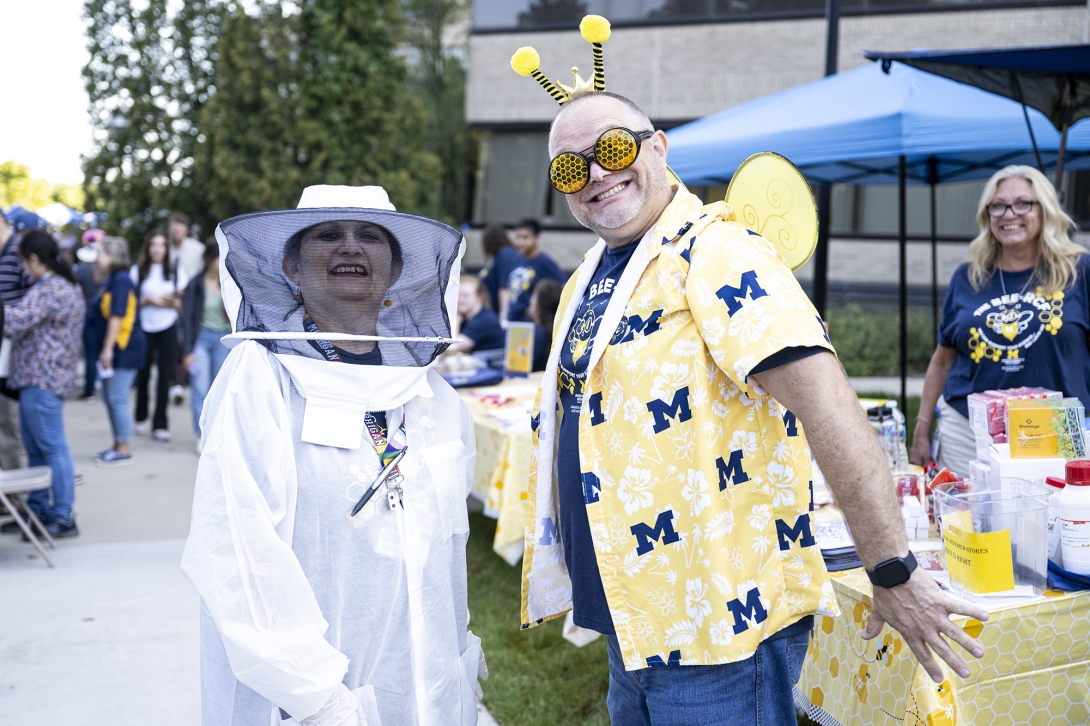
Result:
[{"x": 994, "y": 536}]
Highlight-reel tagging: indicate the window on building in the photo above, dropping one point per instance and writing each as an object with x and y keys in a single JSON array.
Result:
[
  {"x": 511, "y": 183},
  {"x": 528, "y": 14}
]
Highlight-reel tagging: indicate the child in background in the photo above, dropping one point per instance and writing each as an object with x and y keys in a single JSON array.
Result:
[
  {"x": 543, "y": 305},
  {"x": 479, "y": 327}
]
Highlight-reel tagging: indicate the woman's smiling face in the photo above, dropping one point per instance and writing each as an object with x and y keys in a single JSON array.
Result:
[
  {"x": 1010, "y": 228},
  {"x": 343, "y": 261}
]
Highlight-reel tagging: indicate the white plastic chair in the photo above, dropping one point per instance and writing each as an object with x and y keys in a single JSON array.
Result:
[{"x": 14, "y": 485}]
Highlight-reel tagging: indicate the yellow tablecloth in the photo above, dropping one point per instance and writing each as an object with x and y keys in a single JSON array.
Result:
[
  {"x": 503, "y": 458},
  {"x": 1034, "y": 670}
]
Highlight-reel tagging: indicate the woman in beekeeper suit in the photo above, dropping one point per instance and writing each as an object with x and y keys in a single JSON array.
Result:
[{"x": 329, "y": 523}]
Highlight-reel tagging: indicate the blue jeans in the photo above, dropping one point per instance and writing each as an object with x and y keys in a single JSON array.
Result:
[
  {"x": 752, "y": 692},
  {"x": 115, "y": 391},
  {"x": 92, "y": 345},
  {"x": 41, "y": 415},
  {"x": 210, "y": 353}
]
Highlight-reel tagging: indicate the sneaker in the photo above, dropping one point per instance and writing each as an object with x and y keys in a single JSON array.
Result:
[
  {"x": 177, "y": 395},
  {"x": 141, "y": 428},
  {"x": 58, "y": 530},
  {"x": 110, "y": 457},
  {"x": 10, "y": 528},
  {"x": 161, "y": 435}
]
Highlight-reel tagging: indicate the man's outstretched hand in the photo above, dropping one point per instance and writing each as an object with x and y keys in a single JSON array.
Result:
[{"x": 920, "y": 612}]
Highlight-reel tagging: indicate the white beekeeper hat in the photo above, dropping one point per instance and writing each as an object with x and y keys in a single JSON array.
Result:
[{"x": 414, "y": 326}]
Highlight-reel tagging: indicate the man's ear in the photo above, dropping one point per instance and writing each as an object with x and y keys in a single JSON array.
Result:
[
  {"x": 290, "y": 267},
  {"x": 660, "y": 143}
]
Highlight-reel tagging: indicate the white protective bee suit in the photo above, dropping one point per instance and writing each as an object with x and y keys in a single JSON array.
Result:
[{"x": 310, "y": 615}]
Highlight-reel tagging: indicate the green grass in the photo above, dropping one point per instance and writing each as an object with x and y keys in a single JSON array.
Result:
[{"x": 536, "y": 678}]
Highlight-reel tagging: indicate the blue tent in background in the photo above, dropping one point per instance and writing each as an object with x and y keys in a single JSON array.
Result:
[
  {"x": 866, "y": 126},
  {"x": 853, "y": 128}
]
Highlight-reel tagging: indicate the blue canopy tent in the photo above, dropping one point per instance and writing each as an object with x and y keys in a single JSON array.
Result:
[
  {"x": 865, "y": 126},
  {"x": 1054, "y": 79}
]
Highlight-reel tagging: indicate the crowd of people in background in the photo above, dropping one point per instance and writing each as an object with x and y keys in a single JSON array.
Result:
[
  {"x": 519, "y": 283},
  {"x": 62, "y": 306}
]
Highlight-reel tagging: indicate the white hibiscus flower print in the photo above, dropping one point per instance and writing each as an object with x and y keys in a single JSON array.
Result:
[
  {"x": 743, "y": 366},
  {"x": 782, "y": 480},
  {"x": 664, "y": 600},
  {"x": 633, "y": 409},
  {"x": 672, "y": 376},
  {"x": 721, "y": 632},
  {"x": 712, "y": 330},
  {"x": 758, "y": 518},
  {"x": 695, "y": 491},
  {"x": 635, "y": 489},
  {"x": 697, "y": 606},
  {"x": 744, "y": 441},
  {"x": 749, "y": 324}
]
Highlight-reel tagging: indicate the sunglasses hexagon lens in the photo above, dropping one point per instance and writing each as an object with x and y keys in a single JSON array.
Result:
[
  {"x": 616, "y": 149},
  {"x": 568, "y": 173}
]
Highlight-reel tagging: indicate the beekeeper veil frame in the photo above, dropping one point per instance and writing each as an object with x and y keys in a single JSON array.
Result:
[{"x": 344, "y": 266}]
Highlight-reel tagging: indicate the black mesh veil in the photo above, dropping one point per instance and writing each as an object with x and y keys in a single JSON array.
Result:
[{"x": 260, "y": 297}]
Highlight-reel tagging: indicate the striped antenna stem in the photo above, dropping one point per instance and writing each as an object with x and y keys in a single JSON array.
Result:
[
  {"x": 599, "y": 68},
  {"x": 558, "y": 95}
]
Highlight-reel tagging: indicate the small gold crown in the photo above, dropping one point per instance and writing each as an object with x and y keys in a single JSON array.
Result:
[{"x": 595, "y": 30}]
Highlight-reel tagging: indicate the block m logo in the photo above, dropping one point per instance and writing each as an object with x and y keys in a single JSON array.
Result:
[
  {"x": 646, "y": 535},
  {"x": 751, "y": 610},
  {"x": 592, "y": 487},
  {"x": 801, "y": 532},
  {"x": 549, "y": 532},
  {"x": 790, "y": 422},
  {"x": 678, "y": 408},
  {"x": 731, "y": 470},
  {"x": 733, "y": 295}
]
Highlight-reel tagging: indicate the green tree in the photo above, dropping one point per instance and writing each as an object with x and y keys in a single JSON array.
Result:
[
  {"x": 437, "y": 36},
  {"x": 147, "y": 77},
  {"x": 317, "y": 96}
]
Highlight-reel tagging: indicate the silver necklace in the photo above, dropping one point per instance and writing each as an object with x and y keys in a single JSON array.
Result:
[{"x": 1004, "y": 284}]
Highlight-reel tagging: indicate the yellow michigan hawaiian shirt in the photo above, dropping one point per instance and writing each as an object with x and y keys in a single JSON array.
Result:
[{"x": 696, "y": 483}]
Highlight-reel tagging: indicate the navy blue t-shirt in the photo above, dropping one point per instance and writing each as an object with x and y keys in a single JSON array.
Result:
[
  {"x": 1017, "y": 338},
  {"x": 588, "y": 595},
  {"x": 524, "y": 279},
  {"x": 484, "y": 330},
  {"x": 497, "y": 272}
]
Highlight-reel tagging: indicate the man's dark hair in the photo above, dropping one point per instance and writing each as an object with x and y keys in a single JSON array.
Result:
[
  {"x": 41, "y": 243},
  {"x": 530, "y": 224},
  {"x": 294, "y": 245},
  {"x": 181, "y": 218},
  {"x": 495, "y": 238}
]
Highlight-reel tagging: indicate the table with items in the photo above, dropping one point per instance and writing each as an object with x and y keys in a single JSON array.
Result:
[
  {"x": 1035, "y": 669},
  {"x": 501, "y": 422}
]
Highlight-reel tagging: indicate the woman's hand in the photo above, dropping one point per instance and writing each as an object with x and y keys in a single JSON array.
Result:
[
  {"x": 106, "y": 357},
  {"x": 921, "y": 444},
  {"x": 188, "y": 360}
]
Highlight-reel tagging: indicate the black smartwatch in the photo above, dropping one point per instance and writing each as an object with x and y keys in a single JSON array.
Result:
[{"x": 892, "y": 573}]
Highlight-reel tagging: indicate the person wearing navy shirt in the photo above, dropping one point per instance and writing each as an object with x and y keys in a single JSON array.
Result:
[
  {"x": 539, "y": 266},
  {"x": 480, "y": 327},
  {"x": 1018, "y": 314},
  {"x": 503, "y": 259}
]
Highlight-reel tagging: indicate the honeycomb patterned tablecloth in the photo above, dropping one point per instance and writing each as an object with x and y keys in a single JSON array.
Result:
[
  {"x": 1035, "y": 670},
  {"x": 503, "y": 458}
]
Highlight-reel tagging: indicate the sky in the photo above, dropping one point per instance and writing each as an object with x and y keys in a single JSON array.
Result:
[{"x": 44, "y": 123}]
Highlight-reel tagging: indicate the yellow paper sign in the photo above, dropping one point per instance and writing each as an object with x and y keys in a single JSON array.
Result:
[
  {"x": 519, "y": 356},
  {"x": 977, "y": 562}
]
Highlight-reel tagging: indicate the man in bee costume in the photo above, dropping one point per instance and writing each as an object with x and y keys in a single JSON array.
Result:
[{"x": 688, "y": 381}]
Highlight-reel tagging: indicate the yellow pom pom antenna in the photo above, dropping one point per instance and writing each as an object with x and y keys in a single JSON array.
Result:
[
  {"x": 526, "y": 62},
  {"x": 595, "y": 30}
]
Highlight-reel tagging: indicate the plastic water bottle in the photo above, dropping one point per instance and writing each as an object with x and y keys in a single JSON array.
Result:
[{"x": 1075, "y": 518}]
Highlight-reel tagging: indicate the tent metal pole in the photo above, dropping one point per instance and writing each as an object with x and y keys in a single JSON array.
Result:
[
  {"x": 1060, "y": 161},
  {"x": 934, "y": 270},
  {"x": 1025, "y": 112},
  {"x": 820, "y": 289},
  {"x": 902, "y": 292},
  {"x": 832, "y": 32}
]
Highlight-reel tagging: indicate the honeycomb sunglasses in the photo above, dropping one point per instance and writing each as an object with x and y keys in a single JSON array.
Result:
[{"x": 614, "y": 150}]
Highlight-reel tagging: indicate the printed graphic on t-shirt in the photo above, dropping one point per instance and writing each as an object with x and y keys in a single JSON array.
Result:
[
  {"x": 572, "y": 372},
  {"x": 1007, "y": 327}
]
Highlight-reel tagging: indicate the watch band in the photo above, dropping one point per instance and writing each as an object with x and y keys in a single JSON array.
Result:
[{"x": 892, "y": 572}]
